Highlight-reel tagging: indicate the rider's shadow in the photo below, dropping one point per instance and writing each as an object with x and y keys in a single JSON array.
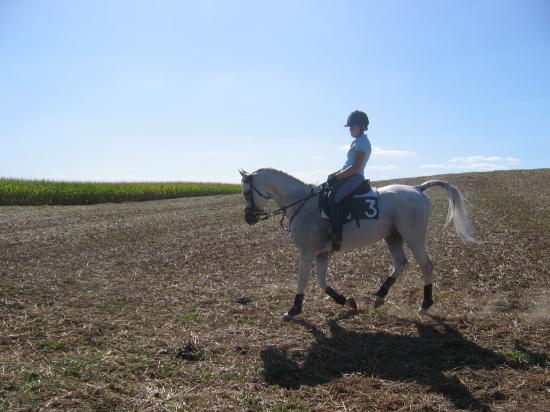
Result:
[{"x": 422, "y": 359}]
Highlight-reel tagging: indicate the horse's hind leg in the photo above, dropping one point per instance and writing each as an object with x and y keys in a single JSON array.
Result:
[
  {"x": 321, "y": 264},
  {"x": 423, "y": 260},
  {"x": 395, "y": 244}
]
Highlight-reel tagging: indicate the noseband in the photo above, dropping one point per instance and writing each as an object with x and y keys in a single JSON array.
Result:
[{"x": 251, "y": 214}]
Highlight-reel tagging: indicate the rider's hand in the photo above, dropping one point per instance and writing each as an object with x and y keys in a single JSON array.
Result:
[{"x": 331, "y": 180}]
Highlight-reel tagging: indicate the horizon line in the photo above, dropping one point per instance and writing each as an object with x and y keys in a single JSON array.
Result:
[{"x": 56, "y": 180}]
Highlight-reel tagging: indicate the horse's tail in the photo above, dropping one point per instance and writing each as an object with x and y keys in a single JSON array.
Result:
[{"x": 457, "y": 211}]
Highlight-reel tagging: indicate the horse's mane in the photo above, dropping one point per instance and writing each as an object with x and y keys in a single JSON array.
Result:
[{"x": 280, "y": 172}]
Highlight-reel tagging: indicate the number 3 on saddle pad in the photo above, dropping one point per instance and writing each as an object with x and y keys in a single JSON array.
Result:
[
  {"x": 358, "y": 206},
  {"x": 365, "y": 206}
]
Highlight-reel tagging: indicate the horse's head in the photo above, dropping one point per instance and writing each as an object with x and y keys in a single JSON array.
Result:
[{"x": 254, "y": 199}]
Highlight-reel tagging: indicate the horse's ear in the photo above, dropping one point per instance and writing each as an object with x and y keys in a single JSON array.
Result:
[{"x": 243, "y": 173}]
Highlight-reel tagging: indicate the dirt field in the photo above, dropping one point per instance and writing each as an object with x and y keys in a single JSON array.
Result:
[{"x": 136, "y": 307}]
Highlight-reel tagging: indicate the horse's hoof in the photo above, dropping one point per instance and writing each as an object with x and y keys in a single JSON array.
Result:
[
  {"x": 293, "y": 311},
  {"x": 351, "y": 303},
  {"x": 378, "y": 302},
  {"x": 427, "y": 304},
  {"x": 423, "y": 312}
]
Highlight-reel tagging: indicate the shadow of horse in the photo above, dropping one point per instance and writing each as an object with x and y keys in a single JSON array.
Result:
[{"x": 421, "y": 359}]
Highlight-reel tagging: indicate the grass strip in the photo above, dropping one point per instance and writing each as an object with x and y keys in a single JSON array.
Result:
[{"x": 44, "y": 192}]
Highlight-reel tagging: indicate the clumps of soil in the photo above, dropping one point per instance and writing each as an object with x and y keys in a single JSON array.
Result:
[
  {"x": 245, "y": 300},
  {"x": 242, "y": 350},
  {"x": 190, "y": 353}
]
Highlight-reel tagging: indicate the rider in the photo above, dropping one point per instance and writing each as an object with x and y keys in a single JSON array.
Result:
[{"x": 346, "y": 180}]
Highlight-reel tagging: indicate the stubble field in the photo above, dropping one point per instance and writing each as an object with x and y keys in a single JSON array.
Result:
[{"x": 177, "y": 305}]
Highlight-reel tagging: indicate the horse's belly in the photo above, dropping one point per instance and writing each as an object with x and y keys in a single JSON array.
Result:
[{"x": 369, "y": 231}]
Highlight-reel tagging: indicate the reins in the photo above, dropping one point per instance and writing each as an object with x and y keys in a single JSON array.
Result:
[
  {"x": 263, "y": 215},
  {"x": 284, "y": 209}
]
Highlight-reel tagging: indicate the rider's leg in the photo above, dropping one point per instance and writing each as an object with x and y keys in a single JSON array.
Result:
[
  {"x": 342, "y": 189},
  {"x": 337, "y": 219},
  {"x": 395, "y": 244},
  {"x": 347, "y": 186}
]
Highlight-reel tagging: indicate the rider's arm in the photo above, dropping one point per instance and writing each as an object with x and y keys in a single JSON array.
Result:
[{"x": 354, "y": 168}]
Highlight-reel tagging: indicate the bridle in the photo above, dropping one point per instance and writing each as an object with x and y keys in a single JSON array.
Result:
[{"x": 253, "y": 215}]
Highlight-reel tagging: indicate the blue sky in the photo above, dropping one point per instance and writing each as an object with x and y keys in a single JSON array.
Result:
[{"x": 177, "y": 90}]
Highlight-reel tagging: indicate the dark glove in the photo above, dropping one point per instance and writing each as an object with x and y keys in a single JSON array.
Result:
[{"x": 331, "y": 180}]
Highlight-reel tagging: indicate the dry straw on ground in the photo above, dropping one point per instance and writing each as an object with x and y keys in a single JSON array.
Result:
[{"x": 177, "y": 304}]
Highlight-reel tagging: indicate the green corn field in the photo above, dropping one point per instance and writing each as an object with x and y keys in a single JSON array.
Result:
[{"x": 45, "y": 192}]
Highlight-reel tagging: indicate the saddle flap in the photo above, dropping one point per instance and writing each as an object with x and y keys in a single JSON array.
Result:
[
  {"x": 364, "y": 187},
  {"x": 363, "y": 203}
]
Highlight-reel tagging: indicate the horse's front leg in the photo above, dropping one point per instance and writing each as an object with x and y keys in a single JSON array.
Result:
[
  {"x": 321, "y": 263},
  {"x": 306, "y": 260}
]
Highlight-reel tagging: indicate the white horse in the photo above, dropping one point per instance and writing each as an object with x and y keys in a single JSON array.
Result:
[{"x": 403, "y": 217}]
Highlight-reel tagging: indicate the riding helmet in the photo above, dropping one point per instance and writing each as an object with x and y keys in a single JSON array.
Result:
[{"x": 358, "y": 117}]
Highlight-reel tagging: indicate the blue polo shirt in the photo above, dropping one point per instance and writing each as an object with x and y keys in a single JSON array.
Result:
[{"x": 360, "y": 144}]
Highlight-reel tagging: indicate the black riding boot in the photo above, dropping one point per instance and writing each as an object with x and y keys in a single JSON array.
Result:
[{"x": 337, "y": 225}]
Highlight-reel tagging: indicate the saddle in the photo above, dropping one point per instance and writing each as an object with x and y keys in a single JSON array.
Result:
[{"x": 362, "y": 203}]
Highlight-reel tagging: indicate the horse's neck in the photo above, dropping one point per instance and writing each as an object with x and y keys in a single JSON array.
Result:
[{"x": 284, "y": 189}]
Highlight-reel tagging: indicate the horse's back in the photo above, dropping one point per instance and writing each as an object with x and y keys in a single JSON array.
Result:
[
  {"x": 407, "y": 207},
  {"x": 395, "y": 201},
  {"x": 399, "y": 189},
  {"x": 403, "y": 195}
]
